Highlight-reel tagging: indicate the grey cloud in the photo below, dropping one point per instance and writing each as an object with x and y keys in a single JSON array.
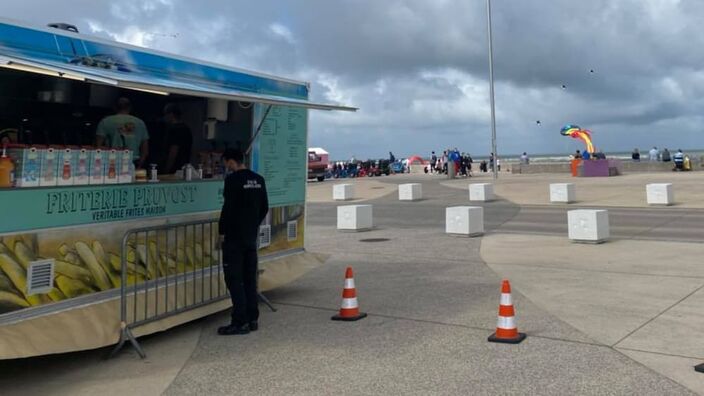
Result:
[{"x": 648, "y": 77}]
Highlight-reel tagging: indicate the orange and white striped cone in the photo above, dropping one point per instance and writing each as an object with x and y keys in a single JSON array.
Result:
[
  {"x": 506, "y": 329},
  {"x": 349, "y": 311}
]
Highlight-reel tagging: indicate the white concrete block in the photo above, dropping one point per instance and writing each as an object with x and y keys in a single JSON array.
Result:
[
  {"x": 354, "y": 217},
  {"x": 464, "y": 220},
  {"x": 562, "y": 193},
  {"x": 481, "y": 192},
  {"x": 342, "y": 192},
  {"x": 589, "y": 226},
  {"x": 659, "y": 194},
  {"x": 410, "y": 192}
]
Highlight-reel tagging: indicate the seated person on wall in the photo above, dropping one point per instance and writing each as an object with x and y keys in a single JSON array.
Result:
[
  {"x": 679, "y": 160},
  {"x": 666, "y": 156},
  {"x": 635, "y": 156}
]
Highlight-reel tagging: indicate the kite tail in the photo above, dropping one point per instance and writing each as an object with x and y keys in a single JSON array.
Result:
[{"x": 586, "y": 138}]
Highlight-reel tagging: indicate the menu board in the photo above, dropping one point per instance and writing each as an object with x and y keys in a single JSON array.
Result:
[{"x": 282, "y": 154}]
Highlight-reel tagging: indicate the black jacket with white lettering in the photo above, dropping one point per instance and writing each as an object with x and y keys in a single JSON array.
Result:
[{"x": 246, "y": 205}]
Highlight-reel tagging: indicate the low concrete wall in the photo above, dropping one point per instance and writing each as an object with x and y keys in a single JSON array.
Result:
[
  {"x": 541, "y": 168},
  {"x": 626, "y": 167},
  {"x": 647, "y": 166}
]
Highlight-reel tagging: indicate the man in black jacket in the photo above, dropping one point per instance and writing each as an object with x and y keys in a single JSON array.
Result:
[{"x": 245, "y": 207}]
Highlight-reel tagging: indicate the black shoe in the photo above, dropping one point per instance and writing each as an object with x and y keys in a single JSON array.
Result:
[
  {"x": 233, "y": 330},
  {"x": 253, "y": 326}
]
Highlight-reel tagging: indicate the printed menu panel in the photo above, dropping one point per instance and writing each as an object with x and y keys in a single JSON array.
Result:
[{"x": 282, "y": 154}]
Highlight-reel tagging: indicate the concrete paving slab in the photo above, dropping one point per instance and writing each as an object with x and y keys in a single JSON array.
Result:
[
  {"x": 675, "y": 367},
  {"x": 622, "y": 256},
  {"x": 631, "y": 289},
  {"x": 364, "y": 189},
  {"x": 624, "y": 191},
  {"x": 300, "y": 351},
  {"x": 606, "y": 306},
  {"x": 678, "y": 331},
  {"x": 88, "y": 373},
  {"x": 459, "y": 293}
]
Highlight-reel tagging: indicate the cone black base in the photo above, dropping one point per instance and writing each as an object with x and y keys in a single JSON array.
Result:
[
  {"x": 517, "y": 340},
  {"x": 361, "y": 315},
  {"x": 699, "y": 368}
]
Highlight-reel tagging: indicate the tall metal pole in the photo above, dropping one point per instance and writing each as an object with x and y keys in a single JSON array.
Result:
[{"x": 491, "y": 90}]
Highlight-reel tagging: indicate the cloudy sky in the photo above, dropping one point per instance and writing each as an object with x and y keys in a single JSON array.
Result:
[{"x": 418, "y": 69}]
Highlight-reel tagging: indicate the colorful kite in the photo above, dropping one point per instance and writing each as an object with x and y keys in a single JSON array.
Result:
[{"x": 576, "y": 132}]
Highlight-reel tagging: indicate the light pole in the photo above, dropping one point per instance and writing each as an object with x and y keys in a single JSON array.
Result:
[{"x": 491, "y": 90}]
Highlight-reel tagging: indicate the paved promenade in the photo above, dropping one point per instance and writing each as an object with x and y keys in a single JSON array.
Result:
[{"x": 619, "y": 318}]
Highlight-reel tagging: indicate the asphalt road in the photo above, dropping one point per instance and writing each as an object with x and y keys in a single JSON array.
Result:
[
  {"x": 654, "y": 223},
  {"x": 662, "y": 224}
]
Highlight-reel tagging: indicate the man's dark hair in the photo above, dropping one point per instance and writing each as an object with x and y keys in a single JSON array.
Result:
[
  {"x": 173, "y": 109},
  {"x": 123, "y": 104},
  {"x": 233, "y": 154}
]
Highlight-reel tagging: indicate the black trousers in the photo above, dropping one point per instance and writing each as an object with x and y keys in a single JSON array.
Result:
[{"x": 240, "y": 270}]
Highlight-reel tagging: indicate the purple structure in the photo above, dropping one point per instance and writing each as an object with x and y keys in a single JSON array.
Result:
[{"x": 600, "y": 168}]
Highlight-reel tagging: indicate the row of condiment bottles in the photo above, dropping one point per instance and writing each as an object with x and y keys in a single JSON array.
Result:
[{"x": 36, "y": 166}]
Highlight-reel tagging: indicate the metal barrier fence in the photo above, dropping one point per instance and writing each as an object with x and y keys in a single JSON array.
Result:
[{"x": 167, "y": 270}]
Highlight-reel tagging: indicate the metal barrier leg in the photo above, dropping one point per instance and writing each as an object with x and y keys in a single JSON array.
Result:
[
  {"x": 266, "y": 301},
  {"x": 126, "y": 334},
  {"x": 263, "y": 298},
  {"x": 699, "y": 368}
]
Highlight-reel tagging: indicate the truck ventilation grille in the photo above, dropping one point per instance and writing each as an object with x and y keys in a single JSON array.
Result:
[{"x": 40, "y": 277}]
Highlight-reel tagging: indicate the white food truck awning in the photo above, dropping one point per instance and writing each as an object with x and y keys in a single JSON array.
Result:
[{"x": 155, "y": 85}]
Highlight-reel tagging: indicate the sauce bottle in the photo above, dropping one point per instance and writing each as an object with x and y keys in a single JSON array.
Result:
[
  {"x": 66, "y": 171},
  {"x": 111, "y": 169},
  {"x": 7, "y": 170},
  {"x": 82, "y": 164},
  {"x": 98, "y": 165},
  {"x": 50, "y": 169}
]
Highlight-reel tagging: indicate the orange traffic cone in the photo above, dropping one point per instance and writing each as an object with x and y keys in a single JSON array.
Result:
[
  {"x": 349, "y": 311},
  {"x": 506, "y": 330}
]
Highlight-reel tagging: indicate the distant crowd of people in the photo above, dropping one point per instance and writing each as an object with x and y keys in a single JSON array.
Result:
[
  {"x": 681, "y": 160},
  {"x": 462, "y": 163},
  {"x": 585, "y": 155},
  {"x": 374, "y": 167}
]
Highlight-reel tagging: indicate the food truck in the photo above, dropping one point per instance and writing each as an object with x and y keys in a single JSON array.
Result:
[{"x": 87, "y": 229}]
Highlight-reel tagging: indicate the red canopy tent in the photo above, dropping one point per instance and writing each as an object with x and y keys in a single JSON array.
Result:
[{"x": 416, "y": 160}]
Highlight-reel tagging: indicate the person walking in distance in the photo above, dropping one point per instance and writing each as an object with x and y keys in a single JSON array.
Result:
[{"x": 245, "y": 207}]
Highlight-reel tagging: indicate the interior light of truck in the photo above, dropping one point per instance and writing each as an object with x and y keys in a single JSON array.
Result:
[
  {"x": 152, "y": 91},
  {"x": 38, "y": 70}
]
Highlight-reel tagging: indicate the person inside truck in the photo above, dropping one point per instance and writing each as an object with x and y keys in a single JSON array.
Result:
[
  {"x": 123, "y": 130},
  {"x": 179, "y": 140}
]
